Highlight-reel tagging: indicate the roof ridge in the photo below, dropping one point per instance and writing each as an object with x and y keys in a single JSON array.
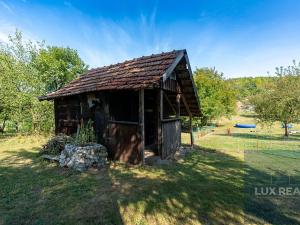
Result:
[{"x": 133, "y": 60}]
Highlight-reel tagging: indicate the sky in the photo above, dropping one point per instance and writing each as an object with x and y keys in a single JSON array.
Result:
[{"x": 237, "y": 37}]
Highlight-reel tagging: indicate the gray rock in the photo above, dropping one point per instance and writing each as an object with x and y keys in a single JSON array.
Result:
[{"x": 81, "y": 158}]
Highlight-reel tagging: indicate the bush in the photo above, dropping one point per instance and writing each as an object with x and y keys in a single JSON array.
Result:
[
  {"x": 85, "y": 135},
  {"x": 56, "y": 144}
]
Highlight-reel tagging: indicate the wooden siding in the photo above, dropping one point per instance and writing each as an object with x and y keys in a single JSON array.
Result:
[
  {"x": 118, "y": 126},
  {"x": 124, "y": 142},
  {"x": 170, "y": 85},
  {"x": 67, "y": 115},
  {"x": 171, "y": 135}
]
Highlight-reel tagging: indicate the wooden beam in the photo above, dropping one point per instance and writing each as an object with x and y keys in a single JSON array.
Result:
[
  {"x": 123, "y": 122},
  {"x": 142, "y": 123},
  {"x": 159, "y": 119},
  {"x": 178, "y": 105},
  {"x": 56, "y": 116},
  {"x": 186, "y": 105},
  {"x": 191, "y": 76},
  {"x": 161, "y": 100},
  {"x": 169, "y": 102},
  {"x": 191, "y": 132},
  {"x": 173, "y": 65},
  {"x": 169, "y": 120}
]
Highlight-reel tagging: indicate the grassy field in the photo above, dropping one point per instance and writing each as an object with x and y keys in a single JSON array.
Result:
[{"x": 206, "y": 187}]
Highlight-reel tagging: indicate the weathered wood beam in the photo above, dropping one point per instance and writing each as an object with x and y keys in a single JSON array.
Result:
[
  {"x": 173, "y": 66},
  {"x": 142, "y": 123},
  {"x": 169, "y": 102},
  {"x": 161, "y": 99},
  {"x": 123, "y": 122},
  {"x": 56, "y": 116},
  {"x": 191, "y": 132},
  {"x": 169, "y": 120},
  {"x": 178, "y": 105},
  {"x": 159, "y": 119},
  {"x": 191, "y": 76},
  {"x": 186, "y": 104}
]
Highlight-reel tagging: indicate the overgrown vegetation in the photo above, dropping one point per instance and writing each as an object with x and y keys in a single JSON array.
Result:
[
  {"x": 246, "y": 87},
  {"x": 29, "y": 70},
  {"x": 218, "y": 98},
  {"x": 56, "y": 144},
  {"x": 280, "y": 101},
  {"x": 85, "y": 135}
]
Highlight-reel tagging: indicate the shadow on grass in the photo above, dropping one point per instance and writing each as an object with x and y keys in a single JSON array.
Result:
[
  {"x": 36, "y": 192},
  {"x": 207, "y": 186},
  {"x": 258, "y": 136}
]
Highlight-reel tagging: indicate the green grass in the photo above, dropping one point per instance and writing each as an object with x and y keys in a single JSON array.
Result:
[{"x": 206, "y": 187}]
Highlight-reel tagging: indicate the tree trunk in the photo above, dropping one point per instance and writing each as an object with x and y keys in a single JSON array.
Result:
[
  {"x": 17, "y": 127},
  {"x": 286, "y": 132},
  {"x": 3, "y": 125}
]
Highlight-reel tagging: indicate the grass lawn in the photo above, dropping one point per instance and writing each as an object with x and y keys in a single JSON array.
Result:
[{"x": 206, "y": 187}]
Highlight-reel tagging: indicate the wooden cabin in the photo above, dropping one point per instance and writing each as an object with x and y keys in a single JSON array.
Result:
[{"x": 135, "y": 105}]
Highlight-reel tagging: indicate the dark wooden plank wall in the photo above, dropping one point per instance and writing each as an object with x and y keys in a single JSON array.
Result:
[
  {"x": 121, "y": 138},
  {"x": 170, "y": 85},
  {"x": 170, "y": 118},
  {"x": 67, "y": 115},
  {"x": 171, "y": 135},
  {"x": 123, "y": 141},
  {"x": 151, "y": 119}
]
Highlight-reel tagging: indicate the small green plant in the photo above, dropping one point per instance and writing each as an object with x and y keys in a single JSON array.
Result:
[{"x": 86, "y": 134}]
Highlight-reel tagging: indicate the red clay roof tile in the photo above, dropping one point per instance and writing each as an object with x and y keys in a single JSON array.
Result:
[{"x": 137, "y": 73}]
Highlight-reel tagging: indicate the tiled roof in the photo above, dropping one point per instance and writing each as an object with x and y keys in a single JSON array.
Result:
[{"x": 139, "y": 73}]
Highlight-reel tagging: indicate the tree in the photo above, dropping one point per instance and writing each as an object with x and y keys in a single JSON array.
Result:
[
  {"x": 29, "y": 70},
  {"x": 58, "y": 66},
  {"x": 281, "y": 100},
  {"x": 248, "y": 86},
  {"x": 217, "y": 97},
  {"x": 18, "y": 80}
]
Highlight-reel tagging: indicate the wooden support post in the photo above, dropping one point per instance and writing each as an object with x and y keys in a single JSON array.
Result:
[
  {"x": 178, "y": 115},
  {"x": 191, "y": 132},
  {"x": 161, "y": 99},
  {"x": 159, "y": 119},
  {"x": 178, "y": 105},
  {"x": 186, "y": 104},
  {"x": 190, "y": 115},
  {"x": 142, "y": 123},
  {"x": 170, "y": 103}
]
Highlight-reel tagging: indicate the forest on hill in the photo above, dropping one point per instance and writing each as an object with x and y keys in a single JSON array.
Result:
[{"x": 249, "y": 86}]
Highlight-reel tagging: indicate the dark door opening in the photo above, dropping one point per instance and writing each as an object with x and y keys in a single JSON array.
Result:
[{"x": 151, "y": 120}]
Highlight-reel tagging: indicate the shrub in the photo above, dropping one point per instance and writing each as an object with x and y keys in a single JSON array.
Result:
[
  {"x": 56, "y": 144},
  {"x": 85, "y": 135}
]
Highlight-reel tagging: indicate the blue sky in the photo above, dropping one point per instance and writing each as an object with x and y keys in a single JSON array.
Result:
[{"x": 238, "y": 37}]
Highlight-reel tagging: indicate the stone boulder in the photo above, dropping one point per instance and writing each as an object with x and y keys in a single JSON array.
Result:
[{"x": 81, "y": 158}]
